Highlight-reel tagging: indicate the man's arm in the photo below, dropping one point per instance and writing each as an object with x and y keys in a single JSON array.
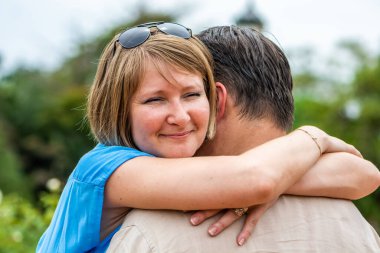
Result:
[{"x": 338, "y": 175}]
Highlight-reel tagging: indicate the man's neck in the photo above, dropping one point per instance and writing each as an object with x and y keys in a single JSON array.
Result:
[{"x": 237, "y": 137}]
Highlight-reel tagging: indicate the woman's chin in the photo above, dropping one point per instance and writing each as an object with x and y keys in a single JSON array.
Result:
[{"x": 178, "y": 154}]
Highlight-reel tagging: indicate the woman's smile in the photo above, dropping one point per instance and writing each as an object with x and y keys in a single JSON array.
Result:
[{"x": 179, "y": 135}]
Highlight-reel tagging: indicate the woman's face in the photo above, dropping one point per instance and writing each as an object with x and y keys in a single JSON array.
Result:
[{"x": 169, "y": 112}]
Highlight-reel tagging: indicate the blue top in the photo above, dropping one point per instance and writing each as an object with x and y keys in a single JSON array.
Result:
[{"x": 75, "y": 226}]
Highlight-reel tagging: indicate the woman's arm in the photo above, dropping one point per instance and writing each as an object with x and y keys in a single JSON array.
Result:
[
  {"x": 338, "y": 175},
  {"x": 254, "y": 177}
]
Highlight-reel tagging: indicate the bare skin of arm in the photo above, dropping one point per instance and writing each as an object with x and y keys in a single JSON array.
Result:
[
  {"x": 252, "y": 178},
  {"x": 200, "y": 183},
  {"x": 336, "y": 175}
]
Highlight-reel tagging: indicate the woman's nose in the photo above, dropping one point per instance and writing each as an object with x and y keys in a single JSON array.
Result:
[{"x": 178, "y": 115}]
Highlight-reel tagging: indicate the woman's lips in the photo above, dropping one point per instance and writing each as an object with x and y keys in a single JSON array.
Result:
[{"x": 177, "y": 135}]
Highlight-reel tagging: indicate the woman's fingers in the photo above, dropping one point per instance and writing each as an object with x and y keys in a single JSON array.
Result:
[
  {"x": 225, "y": 221},
  {"x": 229, "y": 217},
  {"x": 253, "y": 216},
  {"x": 200, "y": 216}
]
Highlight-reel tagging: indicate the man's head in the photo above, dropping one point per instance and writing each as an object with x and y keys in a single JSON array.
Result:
[{"x": 254, "y": 71}]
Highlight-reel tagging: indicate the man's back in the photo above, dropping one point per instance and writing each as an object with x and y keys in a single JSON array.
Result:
[{"x": 293, "y": 224}]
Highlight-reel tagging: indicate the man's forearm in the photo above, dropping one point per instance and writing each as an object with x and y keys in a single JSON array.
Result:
[{"x": 338, "y": 175}]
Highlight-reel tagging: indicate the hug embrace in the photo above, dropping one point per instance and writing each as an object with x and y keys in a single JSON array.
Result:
[{"x": 203, "y": 124}]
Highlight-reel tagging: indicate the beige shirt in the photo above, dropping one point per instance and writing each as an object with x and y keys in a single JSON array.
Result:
[{"x": 293, "y": 224}]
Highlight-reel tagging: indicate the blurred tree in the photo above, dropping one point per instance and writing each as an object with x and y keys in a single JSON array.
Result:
[
  {"x": 11, "y": 177},
  {"x": 22, "y": 224}
]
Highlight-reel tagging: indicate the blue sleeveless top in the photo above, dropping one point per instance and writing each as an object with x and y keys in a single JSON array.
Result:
[{"x": 75, "y": 226}]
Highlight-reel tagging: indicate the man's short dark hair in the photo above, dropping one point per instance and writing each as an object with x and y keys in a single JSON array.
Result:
[{"x": 255, "y": 72}]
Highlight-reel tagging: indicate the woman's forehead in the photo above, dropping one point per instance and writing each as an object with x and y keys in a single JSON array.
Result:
[
  {"x": 174, "y": 74},
  {"x": 159, "y": 76}
]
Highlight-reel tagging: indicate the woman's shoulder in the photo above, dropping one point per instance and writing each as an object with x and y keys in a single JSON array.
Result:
[
  {"x": 101, "y": 151},
  {"x": 98, "y": 164}
]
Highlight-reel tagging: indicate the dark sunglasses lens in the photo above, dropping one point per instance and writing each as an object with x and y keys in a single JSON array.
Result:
[
  {"x": 175, "y": 29},
  {"x": 134, "y": 37}
]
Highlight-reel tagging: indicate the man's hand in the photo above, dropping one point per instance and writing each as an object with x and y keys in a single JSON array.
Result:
[{"x": 253, "y": 215}]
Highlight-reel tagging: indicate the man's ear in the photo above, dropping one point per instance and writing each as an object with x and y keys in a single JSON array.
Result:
[{"x": 221, "y": 99}]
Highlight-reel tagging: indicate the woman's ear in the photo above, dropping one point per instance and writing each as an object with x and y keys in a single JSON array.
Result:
[{"x": 221, "y": 99}]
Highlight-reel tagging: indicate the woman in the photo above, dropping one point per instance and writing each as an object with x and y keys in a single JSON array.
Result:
[{"x": 154, "y": 95}]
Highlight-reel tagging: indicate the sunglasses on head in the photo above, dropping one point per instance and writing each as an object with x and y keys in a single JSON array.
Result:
[{"x": 137, "y": 35}]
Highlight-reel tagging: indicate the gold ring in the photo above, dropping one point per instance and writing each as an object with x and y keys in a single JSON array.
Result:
[{"x": 240, "y": 211}]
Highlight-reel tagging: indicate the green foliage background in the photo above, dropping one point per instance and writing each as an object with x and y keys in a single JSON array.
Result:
[{"x": 43, "y": 134}]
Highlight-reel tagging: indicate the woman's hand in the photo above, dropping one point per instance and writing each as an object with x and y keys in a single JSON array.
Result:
[
  {"x": 254, "y": 213},
  {"x": 326, "y": 143}
]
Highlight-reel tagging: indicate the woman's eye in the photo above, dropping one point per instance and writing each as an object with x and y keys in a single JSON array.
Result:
[
  {"x": 152, "y": 100},
  {"x": 193, "y": 94}
]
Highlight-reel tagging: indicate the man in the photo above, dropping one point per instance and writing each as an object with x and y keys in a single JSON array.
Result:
[{"x": 255, "y": 105}]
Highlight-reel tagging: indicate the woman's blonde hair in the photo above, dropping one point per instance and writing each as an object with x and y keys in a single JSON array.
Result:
[{"x": 120, "y": 72}]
